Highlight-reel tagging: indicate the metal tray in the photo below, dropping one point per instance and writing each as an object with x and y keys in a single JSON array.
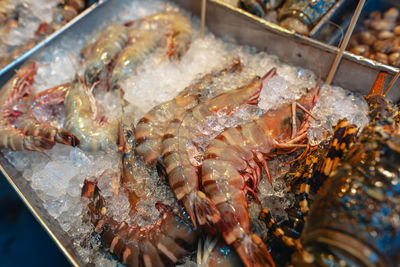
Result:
[
  {"x": 8, "y": 69},
  {"x": 223, "y": 20},
  {"x": 292, "y": 48}
]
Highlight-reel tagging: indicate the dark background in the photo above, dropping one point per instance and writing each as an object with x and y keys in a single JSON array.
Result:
[{"x": 23, "y": 242}]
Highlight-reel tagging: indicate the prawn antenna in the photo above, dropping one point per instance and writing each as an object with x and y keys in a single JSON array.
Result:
[{"x": 392, "y": 82}]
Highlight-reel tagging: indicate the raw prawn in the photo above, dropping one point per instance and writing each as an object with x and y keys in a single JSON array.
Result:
[
  {"x": 140, "y": 44},
  {"x": 173, "y": 25},
  {"x": 231, "y": 170},
  {"x": 20, "y": 128},
  {"x": 160, "y": 244},
  {"x": 104, "y": 50},
  {"x": 179, "y": 151},
  {"x": 80, "y": 119},
  {"x": 171, "y": 30}
]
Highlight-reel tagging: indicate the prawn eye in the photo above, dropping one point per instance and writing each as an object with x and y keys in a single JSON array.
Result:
[
  {"x": 91, "y": 74},
  {"x": 300, "y": 116},
  {"x": 287, "y": 123}
]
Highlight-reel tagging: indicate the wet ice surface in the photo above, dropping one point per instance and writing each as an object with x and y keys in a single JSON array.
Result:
[
  {"x": 58, "y": 177},
  {"x": 334, "y": 104}
]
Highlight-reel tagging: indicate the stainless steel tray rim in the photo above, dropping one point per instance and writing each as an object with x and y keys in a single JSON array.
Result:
[
  {"x": 14, "y": 64},
  {"x": 39, "y": 219}
]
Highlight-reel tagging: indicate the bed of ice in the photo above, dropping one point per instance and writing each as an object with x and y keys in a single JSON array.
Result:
[{"x": 58, "y": 175}]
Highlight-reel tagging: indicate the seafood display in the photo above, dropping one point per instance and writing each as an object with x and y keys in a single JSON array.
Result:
[
  {"x": 159, "y": 142},
  {"x": 298, "y": 15},
  {"x": 304, "y": 181},
  {"x": 378, "y": 37},
  {"x": 24, "y": 23}
]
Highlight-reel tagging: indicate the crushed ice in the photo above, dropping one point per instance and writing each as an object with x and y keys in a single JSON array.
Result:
[{"x": 58, "y": 176}]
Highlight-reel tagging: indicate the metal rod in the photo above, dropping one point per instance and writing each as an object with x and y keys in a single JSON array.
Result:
[
  {"x": 346, "y": 40},
  {"x": 203, "y": 16},
  {"x": 392, "y": 82}
]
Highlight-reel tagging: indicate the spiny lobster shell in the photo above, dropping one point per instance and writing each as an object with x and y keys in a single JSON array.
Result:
[{"x": 355, "y": 216}]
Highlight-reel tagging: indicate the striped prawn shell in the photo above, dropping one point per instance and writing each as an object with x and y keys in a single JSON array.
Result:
[
  {"x": 31, "y": 127},
  {"x": 15, "y": 140},
  {"x": 162, "y": 243},
  {"x": 152, "y": 127},
  {"x": 228, "y": 158},
  {"x": 172, "y": 26},
  {"x": 180, "y": 154}
]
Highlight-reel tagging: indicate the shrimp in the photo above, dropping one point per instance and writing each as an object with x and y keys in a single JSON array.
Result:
[
  {"x": 173, "y": 25},
  {"x": 231, "y": 170},
  {"x": 15, "y": 140},
  {"x": 104, "y": 50},
  {"x": 130, "y": 174},
  {"x": 79, "y": 113},
  {"x": 179, "y": 148},
  {"x": 19, "y": 129},
  {"x": 28, "y": 125},
  {"x": 17, "y": 89},
  {"x": 160, "y": 244},
  {"x": 141, "y": 43},
  {"x": 151, "y": 128},
  {"x": 171, "y": 30},
  {"x": 32, "y": 122}
]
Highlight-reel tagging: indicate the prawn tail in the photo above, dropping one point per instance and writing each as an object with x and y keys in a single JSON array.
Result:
[
  {"x": 253, "y": 251},
  {"x": 207, "y": 214}
]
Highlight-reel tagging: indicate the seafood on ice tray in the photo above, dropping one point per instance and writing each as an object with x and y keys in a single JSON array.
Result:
[{"x": 152, "y": 146}]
